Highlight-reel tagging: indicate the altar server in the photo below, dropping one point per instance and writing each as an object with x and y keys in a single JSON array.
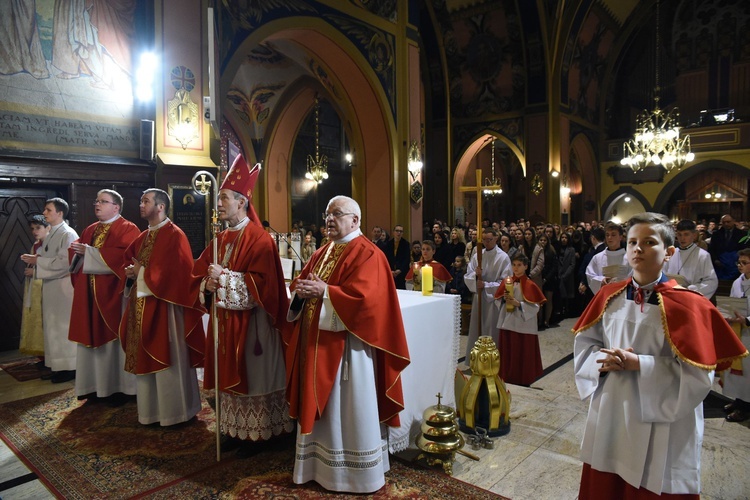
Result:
[
  {"x": 51, "y": 263},
  {"x": 519, "y": 300},
  {"x": 483, "y": 283},
  {"x": 645, "y": 352},
  {"x": 691, "y": 262}
]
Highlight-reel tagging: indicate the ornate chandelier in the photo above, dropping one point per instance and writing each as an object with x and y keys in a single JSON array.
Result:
[
  {"x": 492, "y": 186},
  {"x": 657, "y": 138},
  {"x": 317, "y": 167}
]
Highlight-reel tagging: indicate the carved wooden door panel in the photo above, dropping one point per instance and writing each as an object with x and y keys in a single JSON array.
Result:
[{"x": 16, "y": 207}]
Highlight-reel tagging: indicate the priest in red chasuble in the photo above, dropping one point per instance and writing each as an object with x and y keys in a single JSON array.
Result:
[
  {"x": 344, "y": 358},
  {"x": 251, "y": 298},
  {"x": 97, "y": 270},
  {"x": 162, "y": 327},
  {"x": 645, "y": 352}
]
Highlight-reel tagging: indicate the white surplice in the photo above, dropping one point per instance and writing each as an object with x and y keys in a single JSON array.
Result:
[
  {"x": 735, "y": 385},
  {"x": 57, "y": 297},
  {"x": 595, "y": 269},
  {"x": 695, "y": 265},
  {"x": 495, "y": 267},
  {"x": 645, "y": 426}
]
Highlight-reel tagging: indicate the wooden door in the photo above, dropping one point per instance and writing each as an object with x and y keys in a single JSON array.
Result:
[{"x": 17, "y": 205}]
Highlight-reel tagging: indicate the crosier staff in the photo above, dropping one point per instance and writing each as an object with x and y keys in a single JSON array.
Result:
[{"x": 204, "y": 183}]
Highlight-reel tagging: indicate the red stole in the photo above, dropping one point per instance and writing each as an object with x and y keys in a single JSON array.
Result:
[
  {"x": 254, "y": 253},
  {"x": 530, "y": 290},
  {"x": 97, "y": 310},
  {"x": 166, "y": 274},
  {"x": 696, "y": 331},
  {"x": 439, "y": 272},
  {"x": 363, "y": 293}
]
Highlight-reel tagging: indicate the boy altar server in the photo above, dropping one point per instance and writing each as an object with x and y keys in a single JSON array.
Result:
[
  {"x": 520, "y": 357},
  {"x": 645, "y": 351},
  {"x": 440, "y": 275},
  {"x": 692, "y": 262}
]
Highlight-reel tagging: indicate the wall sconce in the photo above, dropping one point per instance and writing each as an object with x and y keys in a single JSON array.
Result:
[
  {"x": 349, "y": 158},
  {"x": 415, "y": 160},
  {"x": 182, "y": 118},
  {"x": 414, "y": 164},
  {"x": 555, "y": 174},
  {"x": 537, "y": 185}
]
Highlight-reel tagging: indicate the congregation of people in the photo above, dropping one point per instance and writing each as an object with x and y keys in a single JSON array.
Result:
[{"x": 121, "y": 311}]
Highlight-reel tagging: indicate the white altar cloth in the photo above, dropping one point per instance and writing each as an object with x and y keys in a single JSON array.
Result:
[{"x": 433, "y": 326}]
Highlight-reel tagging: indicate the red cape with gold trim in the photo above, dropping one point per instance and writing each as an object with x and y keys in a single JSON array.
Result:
[
  {"x": 168, "y": 277},
  {"x": 695, "y": 329},
  {"x": 106, "y": 296},
  {"x": 254, "y": 254},
  {"x": 439, "y": 272},
  {"x": 530, "y": 290},
  {"x": 363, "y": 293}
]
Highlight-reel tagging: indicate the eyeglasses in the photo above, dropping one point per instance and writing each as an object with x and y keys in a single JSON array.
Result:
[
  {"x": 741, "y": 263},
  {"x": 101, "y": 202},
  {"x": 334, "y": 215}
]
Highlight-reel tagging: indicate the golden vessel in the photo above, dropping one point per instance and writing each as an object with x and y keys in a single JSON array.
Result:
[{"x": 440, "y": 439}]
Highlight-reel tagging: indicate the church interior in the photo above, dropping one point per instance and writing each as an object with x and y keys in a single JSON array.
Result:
[{"x": 413, "y": 108}]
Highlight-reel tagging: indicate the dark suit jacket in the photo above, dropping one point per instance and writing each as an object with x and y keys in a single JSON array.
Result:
[{"x": 399, "y": 259}]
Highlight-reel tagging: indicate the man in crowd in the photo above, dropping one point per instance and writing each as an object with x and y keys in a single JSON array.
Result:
[
  {"x": 378, "y": 237},
  {"x": 344, "y": 358},
  {"x": 399, "y": 256},
  {"x": 51, "y": 263},
  {"x": 691, "y": 262},
  {"x": 725, "y": 242},
  {"x": 483, "y": 283},
  {"x": 247, "y": 283},
  {"x": 162, "y": 327},
  {"x": 98, "y": 267}
]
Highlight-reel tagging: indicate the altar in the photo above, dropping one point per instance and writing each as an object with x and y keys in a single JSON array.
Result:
[{"x": 432, "y": 325}]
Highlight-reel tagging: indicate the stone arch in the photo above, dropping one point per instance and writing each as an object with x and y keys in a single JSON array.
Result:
[
  {"x": 616, "y": 198},
  {"x": 364, "y": 110},
  {"x": 461, "y": 174}
]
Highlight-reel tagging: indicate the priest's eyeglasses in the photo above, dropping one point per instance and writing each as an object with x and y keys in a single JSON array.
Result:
[
  {"x": 101, "y": 202},
  {"x": 335, "y": 215}
]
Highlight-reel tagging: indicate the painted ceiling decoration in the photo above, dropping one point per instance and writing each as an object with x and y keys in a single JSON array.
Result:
[{"x": 383, "y": 8}]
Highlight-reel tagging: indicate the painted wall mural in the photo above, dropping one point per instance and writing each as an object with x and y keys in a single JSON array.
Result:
[
  {"x": 65, "y": 77},
  {"x": 587, "y": 65},
  {"x": 485, "y": 60}
]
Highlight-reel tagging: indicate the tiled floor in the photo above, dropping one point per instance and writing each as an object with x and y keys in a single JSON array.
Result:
[{"x": 538, "y": 459}]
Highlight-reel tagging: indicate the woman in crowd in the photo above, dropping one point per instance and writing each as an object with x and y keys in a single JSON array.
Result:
[
  {"x": 457, "y": 244},
  {"x": 535, "y": 254},
  {"x": 507, "y": 245},
  {"x": 550, "y": 282},
  {"x": 442, "y": 252},
  {"x": 567, "y": 274}
]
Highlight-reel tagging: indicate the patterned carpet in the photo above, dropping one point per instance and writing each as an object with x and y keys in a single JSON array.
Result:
[
  {"x": 94, "y": 451},
  {"x": 23, "y": 369}
]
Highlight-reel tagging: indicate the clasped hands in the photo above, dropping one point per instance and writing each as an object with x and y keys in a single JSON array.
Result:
[
  {"x": 131, "y": 272},
  {"x": 313, "y": 287},
  {"x": 212, "y": 277},
  {"x": 618, "y": 359}
]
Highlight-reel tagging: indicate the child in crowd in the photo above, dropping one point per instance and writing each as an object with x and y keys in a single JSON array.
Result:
[
  {"x": 440, "y": 275},
  {"x": 737, "y": 378},
  {"x": 520, "y": 357},
  {"x": 645, "y": 351},
  {"x": 32, "y": 333},
  {"x": 457, "y": 285}
]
